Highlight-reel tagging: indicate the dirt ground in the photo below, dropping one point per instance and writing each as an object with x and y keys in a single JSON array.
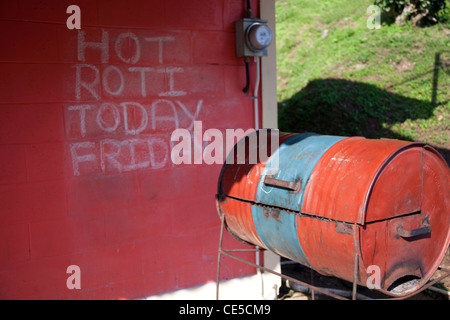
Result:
[{"x": 292, "y": 291}]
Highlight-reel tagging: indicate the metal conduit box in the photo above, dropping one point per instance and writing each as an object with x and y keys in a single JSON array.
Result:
[{"x": 333, "y": 203}]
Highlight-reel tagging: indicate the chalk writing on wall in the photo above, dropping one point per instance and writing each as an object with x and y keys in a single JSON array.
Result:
[{"x": 124, "y": 113}]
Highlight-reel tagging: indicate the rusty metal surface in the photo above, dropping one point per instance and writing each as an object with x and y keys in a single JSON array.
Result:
[
  {"x": 240, "y": 181},
  {"x": 269, "y": 180},
  {"x": 383, "y": 203},
  {"x": 397, "y": 190},
  {"x": 413, "y": 244},
  {"x": 293, "y": 162},
  {"x": 344, "y": 176},
  {"x": 277, "y": 229},
  {"x": 329, "y": 252},
  {"x": 239, "y": 221}
]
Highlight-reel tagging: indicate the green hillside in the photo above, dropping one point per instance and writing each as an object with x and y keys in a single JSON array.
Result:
[{"x": 338, "y": 76}]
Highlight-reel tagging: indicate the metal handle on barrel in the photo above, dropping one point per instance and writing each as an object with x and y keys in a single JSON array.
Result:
[
  {"x": 414, "y": 232},
  {"x": 271, "y": 181}
]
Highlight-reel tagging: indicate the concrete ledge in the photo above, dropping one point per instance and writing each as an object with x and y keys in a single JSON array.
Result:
[{"x": 261, "y": 286}]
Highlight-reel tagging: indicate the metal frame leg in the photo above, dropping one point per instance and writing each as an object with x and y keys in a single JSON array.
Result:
[
  {"x": 311, "y": 286},
  {"x": 222, "y": 225}
]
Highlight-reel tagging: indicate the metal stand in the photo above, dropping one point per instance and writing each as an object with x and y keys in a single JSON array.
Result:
[{"x": 313, "y": 288}]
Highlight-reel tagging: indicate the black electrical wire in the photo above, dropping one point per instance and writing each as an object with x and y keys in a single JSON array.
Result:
[
  {"x": 249, "y": 10},
  {"x": 247, "y": 73},
  {"x": 247, "y": 69}
]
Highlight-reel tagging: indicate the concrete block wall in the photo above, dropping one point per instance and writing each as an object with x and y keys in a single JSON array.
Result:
[{"x": 86, "y": 117}]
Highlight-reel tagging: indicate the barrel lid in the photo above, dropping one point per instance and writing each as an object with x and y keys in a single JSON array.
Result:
[
  {"x": 356, "y": 172},
  {"x": 288, "y": 170},
  {"x": 414, "y": 188},
  {"x": 397, "y": 190},
  {"x": 399, "y": 193}
]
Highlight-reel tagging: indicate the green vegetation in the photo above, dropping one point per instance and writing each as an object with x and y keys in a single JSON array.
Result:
[
  {"x": 338, "y": 76},
  {"x": 420, "y": 12}
]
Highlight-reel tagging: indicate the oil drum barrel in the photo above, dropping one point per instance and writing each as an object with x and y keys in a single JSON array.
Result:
[{"x": 323, "y": 200}]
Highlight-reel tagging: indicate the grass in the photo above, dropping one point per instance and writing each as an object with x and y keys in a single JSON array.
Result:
[{"x": 337, "y": 76}]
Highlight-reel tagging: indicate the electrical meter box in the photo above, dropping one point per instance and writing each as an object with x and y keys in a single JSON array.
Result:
[{"x": 253, "y": 36}]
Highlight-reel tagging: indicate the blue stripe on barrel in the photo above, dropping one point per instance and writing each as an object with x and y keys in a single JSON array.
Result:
[{"x": 293, "y": 162}]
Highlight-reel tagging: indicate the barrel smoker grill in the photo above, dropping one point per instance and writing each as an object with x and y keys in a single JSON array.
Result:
[{"x": 341, "y": 205}]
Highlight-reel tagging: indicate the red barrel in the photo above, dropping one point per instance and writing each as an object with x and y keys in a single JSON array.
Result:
[
  {"x": 367, "y": 206},
  {"x": 395, "y": 195}
]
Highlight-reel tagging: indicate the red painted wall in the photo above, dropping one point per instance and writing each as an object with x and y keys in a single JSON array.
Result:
[{"x": 86, "y": 117}]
